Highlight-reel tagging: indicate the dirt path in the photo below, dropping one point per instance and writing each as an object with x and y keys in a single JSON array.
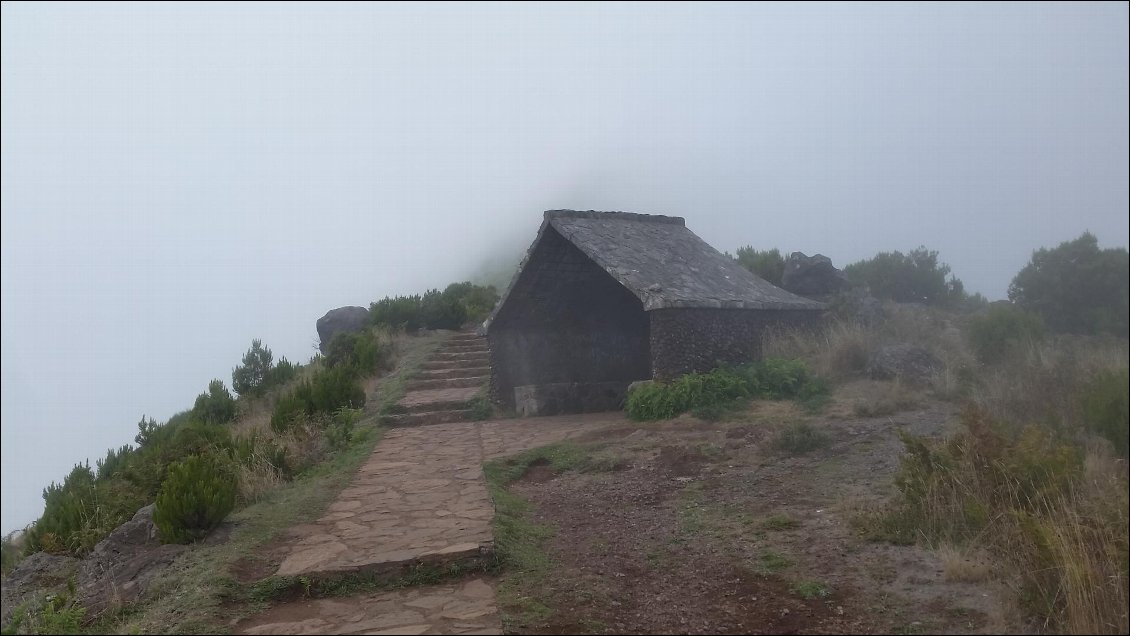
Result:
[{"x": 421, "y": 498}]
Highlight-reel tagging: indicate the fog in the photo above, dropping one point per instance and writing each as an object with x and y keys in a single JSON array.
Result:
[{"x": 180, "y": 179}]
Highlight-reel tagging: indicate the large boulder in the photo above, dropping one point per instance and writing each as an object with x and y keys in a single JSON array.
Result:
[
  {"x": 903, "y": 362},
  {"x": 120, "y": 568},
  {"x": 35, "y": 577},
  {"x": 812, "y": 276},
  {"x": 342, "y": 319}
]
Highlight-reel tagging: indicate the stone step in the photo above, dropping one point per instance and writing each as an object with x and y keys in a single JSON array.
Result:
[
  {"x": 439, "y": 405},
  {"x": 466, "y": 337},
  {"x": 464, "y": 372},
  {"x": 435, "y": 365},
  {"x": 446, "y": 383},
  {"x": 477, "y": 348},
  {"x": 430, "y": 417},
  {"x": 475, "y": 356}
]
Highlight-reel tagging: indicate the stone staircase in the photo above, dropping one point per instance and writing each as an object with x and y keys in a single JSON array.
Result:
[{"x": 447, "y": 385}]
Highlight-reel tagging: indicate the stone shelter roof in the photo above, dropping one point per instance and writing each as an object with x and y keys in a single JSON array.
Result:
[{"x": 663, "y": 263}]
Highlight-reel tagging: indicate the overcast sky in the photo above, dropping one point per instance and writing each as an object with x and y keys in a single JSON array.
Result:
[{"x": 180, "y": 179}]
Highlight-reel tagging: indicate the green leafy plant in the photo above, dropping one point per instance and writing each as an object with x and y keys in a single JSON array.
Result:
[
  {"x": 710, "y": 394},
  {"x": 197, "y": 495}
]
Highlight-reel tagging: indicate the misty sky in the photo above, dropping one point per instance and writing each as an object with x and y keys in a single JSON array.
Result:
[{"x": 180, "y": 179}]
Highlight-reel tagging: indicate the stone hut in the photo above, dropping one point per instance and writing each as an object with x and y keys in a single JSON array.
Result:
[{"x": 603, "y": 299}]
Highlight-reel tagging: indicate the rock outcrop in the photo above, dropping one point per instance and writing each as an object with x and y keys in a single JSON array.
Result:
[
  {"x": 342, "y": 319},
  {"x": 38, "y": 575},
  {"x": 812, "y": 276},
  {"x": 120, "y": 568},
  {"x": 903, "y": 362}
]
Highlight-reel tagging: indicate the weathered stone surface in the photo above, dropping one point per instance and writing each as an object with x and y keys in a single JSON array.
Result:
[
  {"x": 812, "y": 276},
  {"x": 342, "y": 319},
  {"x": 903, "y": 362},
  {"x": 421, "y": 497},
  {"x": 121, "y": 566},
  {"x": 582, "y": 310},
  {"x": 37, "y": 575},
  {"x": 569, "y": 397},
  {"x": 437, "y": 609},
  {"x": 698, "y": 340}
]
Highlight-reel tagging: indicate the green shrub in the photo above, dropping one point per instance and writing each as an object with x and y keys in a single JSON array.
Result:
[
  {"x": 916, "y": 277},
  {"x": 449, "y": 309},
  {"x": 282, "y": 373},
  {"x": 1001, "y": 330},
  {"x": 1105, "y": 404},
  {"x": 197, "y": 495},
  {"x": 706, "y": 392},
  {"x": 401, "y": 312},
  {"x": 361, "y": 351},
  {"x": 1076, "y": 287},
  {"x": 339, "y": 430},
  {"x": 800, "y": 438},
  {"x": 251, "y": 378},
  {"x": 477, "y": 300},
  {"x": 327, "y": 391},
  {"x": 769, "y": 264},
  {"x": 217, "y": 406},
  {"x": 439, "y": 311}
]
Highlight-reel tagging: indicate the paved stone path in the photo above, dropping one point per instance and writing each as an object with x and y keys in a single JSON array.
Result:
[
  {"x": 461, "y": 608},
  {"x": 420, "y": 498}
]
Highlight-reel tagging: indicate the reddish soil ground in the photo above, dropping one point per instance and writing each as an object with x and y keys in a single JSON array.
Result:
[{"x": 706, "y": 528}]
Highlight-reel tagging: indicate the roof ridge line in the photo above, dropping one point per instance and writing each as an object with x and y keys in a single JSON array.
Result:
[{"x": 623, "y": 216}]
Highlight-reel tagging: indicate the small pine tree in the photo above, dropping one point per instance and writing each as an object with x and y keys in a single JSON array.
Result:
[
  {"x": 196, "y": 496},
  {"x": 252, "y": 377}
]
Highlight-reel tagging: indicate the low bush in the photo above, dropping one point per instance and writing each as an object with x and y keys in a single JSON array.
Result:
[
  {"x": 217, "y": 406},
  {"x": 457, "y": 304},
  {"x": 327, "y": 391},
  {"x": 196, "y": 496},
  {"x": 773, "y": 379},
  {"x": 1025, "y": 494},
  {"x": 768, "y": 264},
  {"x": 1105, "y": 402},
  {"x": 361, "y": 351},
  {"x": 1001, "y": 330}
]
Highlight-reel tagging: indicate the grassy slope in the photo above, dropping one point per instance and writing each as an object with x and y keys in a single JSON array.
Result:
[{"x": 198, "y": 594}]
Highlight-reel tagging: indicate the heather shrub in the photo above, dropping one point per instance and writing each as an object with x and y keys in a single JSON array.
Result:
[
  {"x": 197, "y": 495},
  {"x": 1105, "y": 403},
  {"x": 1001, "y": 330},
  {"x": 361, "y": 351},
  {"x": 328, "y": 390},
  {"x": 217, "y": 406}
]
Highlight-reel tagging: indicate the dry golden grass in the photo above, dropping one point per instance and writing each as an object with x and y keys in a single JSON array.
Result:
[
  {"x": 256, "y": 479},
  {"x": 963, "y": 564}
]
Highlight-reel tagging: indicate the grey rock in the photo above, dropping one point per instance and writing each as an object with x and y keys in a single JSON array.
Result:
[
  {"x": 39, "y": 574},
  {"x": 342, "y": 319},
  {"x": 903, "y": 362},
  {"x": 812, "y": 276},
  {"x": 120, "y": 568}
]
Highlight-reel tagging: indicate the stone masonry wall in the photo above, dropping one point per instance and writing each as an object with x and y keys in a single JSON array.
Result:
[
  {"x": 698, "y": 340},
  {"x": 566, "y": 321}
]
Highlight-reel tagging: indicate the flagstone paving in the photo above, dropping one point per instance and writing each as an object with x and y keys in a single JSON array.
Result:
[{"x": 420, "y": 498}]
